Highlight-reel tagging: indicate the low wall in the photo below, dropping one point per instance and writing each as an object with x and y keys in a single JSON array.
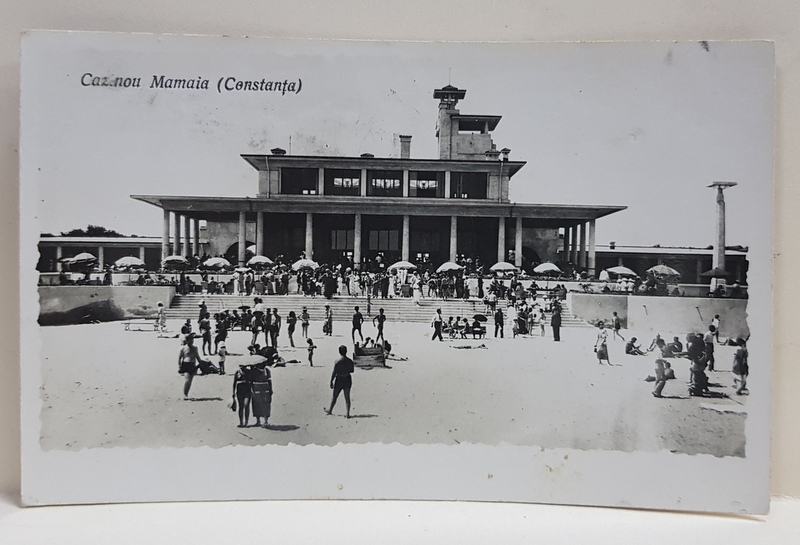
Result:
[
  {"x": 80, "y": 304},
  {"x": 664, "y": 314},
  {"x": 594, "y": 307}
]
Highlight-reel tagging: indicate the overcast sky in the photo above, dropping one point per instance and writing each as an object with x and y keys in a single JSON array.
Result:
[{"x": 646, "y": 125}]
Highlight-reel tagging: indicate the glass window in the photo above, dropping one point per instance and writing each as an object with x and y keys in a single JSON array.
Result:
[
  {"x": 342, "y": 182},
  {"x": 426, "y": 184},
  {"x": 385, "y": 183},
  {"x": 468, "y": 185}
]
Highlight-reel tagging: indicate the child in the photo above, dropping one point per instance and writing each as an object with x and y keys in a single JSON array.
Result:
[
  {"x": 222, "y": 351},
  {"x": 311, "y": 347}
]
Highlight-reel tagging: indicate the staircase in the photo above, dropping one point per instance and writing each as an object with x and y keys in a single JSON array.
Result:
[{"x": 187, "y": 307}]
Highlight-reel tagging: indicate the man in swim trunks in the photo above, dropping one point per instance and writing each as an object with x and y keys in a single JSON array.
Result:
[
  {"x": 341, "y": 379},
  {"x": 188, "y": 361}
]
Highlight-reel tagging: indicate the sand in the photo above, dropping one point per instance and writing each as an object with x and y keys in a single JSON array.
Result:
[{"x": 106, "y": 387}]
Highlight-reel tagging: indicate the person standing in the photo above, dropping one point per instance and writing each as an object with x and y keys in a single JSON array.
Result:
[
  {"x": 498, "y": 322},
  {"x": 327, "y": 327},
  {"x": 437, "y": 323},
  {"x": 740, "y": 367},
  {"x": 291, "y": 323},
  {"x": 161, "y": 319},
  {"x": 715, "y": 323},
  {"x": 661, "y": 378},
  {"x": 304, "y": 321},
  {"x": 205, "y": 330},
  {"x": 378, "y": 322},
  {"x": 555, "y": 323},
  {"x": 242, "y": 394},
  {"x": 274, "y": 327},
  {"x": 708, "y": 340},
  {"x": 188, "y": 361},
  {"x": 616, "y": 325},
  {"x": 341, "y": 379},
  {"x": 262, "y": 393},
  {"x": 601, "y": 344},
  {"x": 311, "y": 348},
  {"x": 358, "y": 319},
  {"x": 203, "y": 310}
]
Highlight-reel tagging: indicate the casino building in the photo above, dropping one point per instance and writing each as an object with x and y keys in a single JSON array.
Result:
[{"x": 351, "y": 210}]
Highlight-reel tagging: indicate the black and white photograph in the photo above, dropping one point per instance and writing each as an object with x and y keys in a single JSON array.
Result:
[{"x": 519, "y": 272}]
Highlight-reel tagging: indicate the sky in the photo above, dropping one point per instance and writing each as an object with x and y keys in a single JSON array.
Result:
[{"x": 644, "y": 125}]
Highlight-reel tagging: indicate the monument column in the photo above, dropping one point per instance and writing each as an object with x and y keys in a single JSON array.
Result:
[
  {"x": 501, "y": 238},
  {"x": 165, "y": 236},
  {"x": 357, "y": 241},
  {"x": 309, "y": 235},
  {"x": 592, "y": 255},
  {"x": 718, "y": 260},
  {"x": 453, "y": 238},
  {"x": 242, "y": 242},
  {"x": 406, "y": 234},
  {"x": 518, "y": 243}
]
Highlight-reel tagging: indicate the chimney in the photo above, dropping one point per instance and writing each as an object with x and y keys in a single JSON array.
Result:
[
  {"x": 277, "y": 151},
  {"x": 405, "y": 147}
]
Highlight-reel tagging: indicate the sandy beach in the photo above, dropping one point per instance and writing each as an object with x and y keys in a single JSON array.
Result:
[{"x": 107, "y": 387}]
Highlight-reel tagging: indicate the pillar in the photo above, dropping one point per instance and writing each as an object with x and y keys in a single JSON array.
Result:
[
  {"x": 59, "y": 255},
  {"x": 242, "y": 238},
  {"x": 406, "y": 183},
  {"x": 320, "y": 183},
  {"x": 582, "y": 245},
  {"x": 406, "y": 237},
  {"x": 518, "y": 244},
  {"x": 196, "y": 237},
  {"x": 573, "y": 251},
  {"x": 260, "y": 233},
  {"x": 101, "y": 255},
  {"x": 591, "y": 263},
  {"x": 165, "y": 236},
  {"x": 309, "y": 235},
  {"x": 501, "y": 238},
  {"x": 565, "y": 252},
  {"x": 446, "y": 184},
  {"x": 357, "y": 241},
  {"x": 363, "y": 182},
  {"x": 141, "y": 253},
  {"x": 453, "y": 238},
  {"x": 699, "y": 270},
  {"x": 176, "y": 234},
  {"x": 187, "y": 236}
]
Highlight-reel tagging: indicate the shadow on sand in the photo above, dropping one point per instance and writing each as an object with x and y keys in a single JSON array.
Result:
[
  {"x": 205, "y": 399},
  {"x": 282, "y": 427}
]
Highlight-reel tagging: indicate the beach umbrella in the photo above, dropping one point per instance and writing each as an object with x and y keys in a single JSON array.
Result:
[
  {"x": 304, "y": 264},
  {"x": 480, "y": 318},
  {"x": 716, "y": 272},
  {"x": 216, "y": 263},
  {"x": 621, "y": 271},
  {"x": 251, "y": 249},
  {"x": 82, "y": 260},
  {"x": 402, "y": 265},
  {"x": 260, "y": 261},
  {"x": 502, "y": 266},
  {"x": 449, "y": 266},
  {"x": 129, "y": 262},
  {"x": 663, "y": 270},
  {"x": 175, "y": 262},
  {"x": 547, "y": 268}
]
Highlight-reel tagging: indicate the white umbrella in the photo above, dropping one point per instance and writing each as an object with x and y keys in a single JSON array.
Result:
[
  {"x": 129, "y": 262},
  {"x": 448, "y": 266},
  {"x": 663, "y": 270},
  {"x": 175, "y": 262},
  {"x": 502, "y": 266},
  {"x": 405, "y": 265},
  {"x": 251, "y": 249},
  {"x": 544, "y": 268},
  {"x": 621, "y": 271},
  {"x": 260, "y": 261},
  {"x": 304, "y": 264},
  {"x": 216, "y": 263}
]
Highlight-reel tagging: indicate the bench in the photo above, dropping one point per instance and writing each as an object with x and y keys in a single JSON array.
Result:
[{"x": 141, "y": 325}]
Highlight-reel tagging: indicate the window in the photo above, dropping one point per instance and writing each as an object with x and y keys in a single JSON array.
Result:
[
  {"x": 342, "y": 239},
  {"x": 426, "y": 184},
  {"x": 384, "y": 240},
  {"x": 468, "y": 185},
  {"x": 299, "y": 181},
  {"x": 425, "y": 241},
  {"x": 342, "y": 182},
  {"x": 385, "y": 183}
]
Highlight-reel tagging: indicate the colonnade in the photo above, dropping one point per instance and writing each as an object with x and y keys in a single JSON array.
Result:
[{"x": 579, "y": 246}]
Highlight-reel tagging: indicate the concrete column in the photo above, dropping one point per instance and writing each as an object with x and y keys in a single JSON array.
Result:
[
  {"x": 453, "y": 238},
  {"x": 518, "y": 244},
  {"x": 141, "y": 253},
  {"x": 363, "y": 182},
  {"x": 260, "y": 242},
  {"x": 573, "y": 251},
  {"x": 176, "y": 234},
  {"x": 446, "y": 184},
  {"x": 592, "y": 254},
  {"x": 242, "y": 237},
  {"x": 320, "y": 183},
  {"x": 187, "y": 236},
  {"x": 101, "y": 255},
  {"x": 501, "y": 238},
  {"x": 59, "y": 255},
  {"x": 582, "y": 245},
  {"x": 565, "y": 251},
  {"x": 406, "y": 237},
  {"x": 196, "y": 237},
  {"x": 165, "y": 236},
  {"x": 309, "y": 235},
  {"x": 699, "y": 271},
  {"x": 357, "y": 240},
  {"x": 406, "y": 183}
]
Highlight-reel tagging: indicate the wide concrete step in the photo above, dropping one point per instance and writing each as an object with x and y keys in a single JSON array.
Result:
[{"x": 403, "y": 308}]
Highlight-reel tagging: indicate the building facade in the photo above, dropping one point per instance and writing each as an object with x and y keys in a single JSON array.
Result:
[{"x": 359, "y": 210}]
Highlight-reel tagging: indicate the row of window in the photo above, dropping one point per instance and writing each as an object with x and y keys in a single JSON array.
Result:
[{"x": 388, "y": 183}]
